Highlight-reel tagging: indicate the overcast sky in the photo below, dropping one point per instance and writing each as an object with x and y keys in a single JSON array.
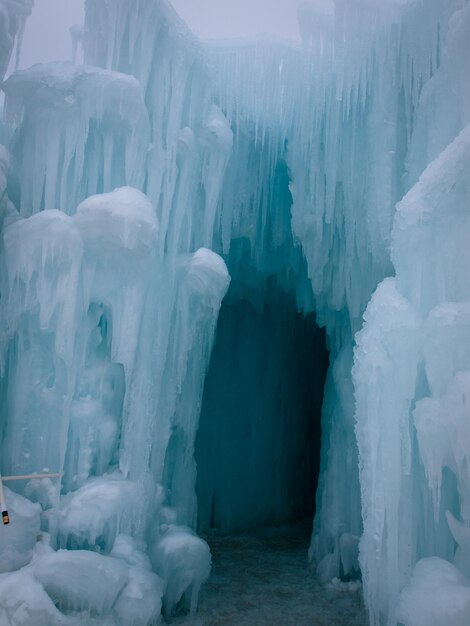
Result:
[
  {"x": 47, "y": 36},
  {"x": 47, "y": 32},
  {"x": 239, "y": 18}
]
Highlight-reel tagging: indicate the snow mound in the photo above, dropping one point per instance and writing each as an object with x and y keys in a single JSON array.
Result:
[
  {"x": 93, "y": 516},
  {"x": 17, "y": 540},
  {"x": 437, "y": 594},
  {"x": 79, "y": 580},
  {"x": 183, "y": 561},
  {"x": 123, "y": 218}
]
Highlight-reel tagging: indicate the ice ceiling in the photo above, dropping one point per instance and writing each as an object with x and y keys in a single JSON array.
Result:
[{"x": 329, "y": 184}]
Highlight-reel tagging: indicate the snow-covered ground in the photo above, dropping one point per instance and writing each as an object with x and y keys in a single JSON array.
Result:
[{"x": 263, "y": 579}]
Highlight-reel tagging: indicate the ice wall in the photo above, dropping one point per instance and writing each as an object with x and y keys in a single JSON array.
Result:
[
  {"x": 13, "y": 17},
  {"x": 414, "y": 427},
  {"x": 88, "y": 397},
  {"x": 411, "y": 365},
  {"x": 107, "y": 328}
]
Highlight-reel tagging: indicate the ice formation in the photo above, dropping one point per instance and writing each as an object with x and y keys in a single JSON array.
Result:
[
  {"x": 94, "y": 123},
  {"x": 138, "y": 192},
  {"x": 13, "y": 15}
]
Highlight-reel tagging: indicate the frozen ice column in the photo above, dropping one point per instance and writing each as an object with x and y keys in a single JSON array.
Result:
[
  {"x": 412, "y": 421},
  {"x": 191, "y": 141}
]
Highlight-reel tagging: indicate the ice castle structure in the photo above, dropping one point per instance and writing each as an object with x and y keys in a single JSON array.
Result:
[{"x": 163, "y": 208}]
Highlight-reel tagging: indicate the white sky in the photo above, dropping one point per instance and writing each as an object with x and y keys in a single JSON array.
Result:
[
  {"x": 47, "y": 36},
  {"x": 47, "y": 32},
  {"x": 239, "y": 18}
]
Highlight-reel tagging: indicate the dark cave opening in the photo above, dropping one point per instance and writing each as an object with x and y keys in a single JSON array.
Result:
[{"x": 258, "y": 443}]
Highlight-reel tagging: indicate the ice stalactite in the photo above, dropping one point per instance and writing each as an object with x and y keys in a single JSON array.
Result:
[
  {"x": 316, "y": 25},
  {"x": 8, "y": 212},
  {"x": 76, "y": 36},
  {"x": 94, "y": 124},
  {"x": 191, "y": 141}
]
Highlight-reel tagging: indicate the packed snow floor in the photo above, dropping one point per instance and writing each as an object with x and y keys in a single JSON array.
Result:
[{"x": 263, "y": 578}]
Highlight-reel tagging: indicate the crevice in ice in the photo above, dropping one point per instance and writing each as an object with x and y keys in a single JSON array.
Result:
[
  {"x": 96, "y": 409},
  {"x": 258, "y": 443}
]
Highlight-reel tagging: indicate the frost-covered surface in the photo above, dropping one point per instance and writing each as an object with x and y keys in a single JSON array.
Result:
[
  {"x": 338, "y": 172},
  {"x": 17, "y": 541},
  {"x": 72, "y": 587},
  {"x": 437, "y": 594},
  {"x": 183, "y": 561},
  {"x": 264, "y": 578}
]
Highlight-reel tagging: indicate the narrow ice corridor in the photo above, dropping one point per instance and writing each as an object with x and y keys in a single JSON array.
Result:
[
  {"x": 262, "y": 578},
  {"x": 258, "y": 443}
]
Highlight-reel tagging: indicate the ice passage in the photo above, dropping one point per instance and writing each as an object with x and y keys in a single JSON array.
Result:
[{"x": 206, "y": 250}]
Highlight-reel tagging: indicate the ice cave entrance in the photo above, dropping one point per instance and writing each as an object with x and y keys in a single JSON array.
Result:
[{"x": 258, "y": 443}]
